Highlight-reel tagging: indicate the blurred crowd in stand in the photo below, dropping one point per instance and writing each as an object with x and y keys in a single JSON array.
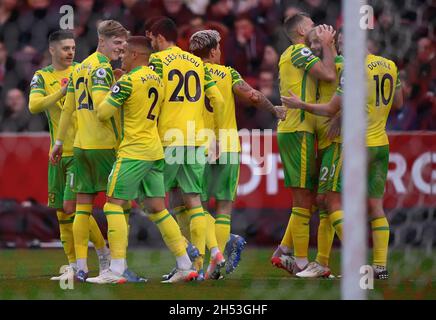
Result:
[{"x": 252, "y": 42}]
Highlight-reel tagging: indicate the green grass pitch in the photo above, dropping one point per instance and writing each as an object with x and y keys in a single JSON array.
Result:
[{"x": 24, "y": 274}]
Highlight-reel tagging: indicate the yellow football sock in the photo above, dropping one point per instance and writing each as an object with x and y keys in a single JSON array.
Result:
[
  {"x": 198, "y": 228},
  {"x": 95, "y": 234},
  {"x": 380, "y": 240},
  {"x": 326, "y": 233},
  {"x": 66, "y": 232},
  {"x": 222, "y": 230},
  {"x": 127, "y": 208},
  {"x": 211, "y": 240},
  {"x": 287, "y": 238},
  {"x": 81, "y": 230},
  {"x": 117, "y": 230},
  {"x": 183, "y": 221},
  {"x": 336, "y": 221},
  {"x": 299, "y": 221},
  {"x": 170, "y": 231}
]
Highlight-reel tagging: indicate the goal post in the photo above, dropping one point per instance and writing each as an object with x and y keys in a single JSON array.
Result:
[{"x": 354, "y": 244}]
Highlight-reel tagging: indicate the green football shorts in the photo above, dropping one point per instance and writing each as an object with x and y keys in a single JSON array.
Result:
[
  {"x": 378, "y": 162},
  {"x": 221, "y": 179},
  {"x": 92, "y": 169},
  {"x": 184, "y": 168},
  {"x": 297, "y": 152},
  {"x": 324, "y": 170},
  {"x": 131, "y": 179},
  {"x": 60, "y": 182},
  {"x": 334, "y": 154}
]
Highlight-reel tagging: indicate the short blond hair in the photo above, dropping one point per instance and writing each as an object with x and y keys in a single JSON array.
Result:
[{"x": 111, "y": 28}]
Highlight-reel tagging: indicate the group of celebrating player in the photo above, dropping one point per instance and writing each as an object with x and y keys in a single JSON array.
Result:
[
  {"x": 311, "y": 86},
  {"x": 166, "y": 123}
]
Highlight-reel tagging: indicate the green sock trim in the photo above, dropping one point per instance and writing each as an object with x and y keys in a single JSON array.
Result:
[
  {"x": 301, "y": 215},
  {"x": 66, "y": 221},
  {"x": 179, "y": 211},
  {"x": 163, "y": 218},
  {"x": 336, "y": 222},
  {"x": 380, "y": 229},
  {"x": 223, "y": 216},
  {"x": 197, "y": 215},
  {"x": 323, "y": 213},
  {"x": 193, "y": 208},
  {"x": 377, "y": 218},
  {"x": 222, "y": 222},
  {"x": 113, "y": 212},
  {"x": 300, "y": 210},
  {"x": 83, "y": 212}
]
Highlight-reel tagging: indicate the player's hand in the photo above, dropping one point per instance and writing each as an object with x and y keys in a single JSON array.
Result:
[
  {"x": 329, "y": 29},
  {"x": 334, "y": 128},
  {"x": 118, "y": 73},
  {"x": 56, "y": 154},
  {"x": 292, "y": 102},
  {"x": 280, "y": 112},
  {"x": 326, "y": 34}
]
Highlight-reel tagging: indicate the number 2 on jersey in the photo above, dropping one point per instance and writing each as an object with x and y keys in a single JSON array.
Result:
[
  {"x": 152, "y": 91},
  {"x": 84, "y": 95}
]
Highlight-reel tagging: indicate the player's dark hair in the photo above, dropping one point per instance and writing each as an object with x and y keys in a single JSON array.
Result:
[
  {"x": 166, "y": 28},
  {"x": 60, "y": 35},
  {"x": 291, "y": 23},
  {"x": 140, "y": 42},
  {"x": 151, "y": 21}
]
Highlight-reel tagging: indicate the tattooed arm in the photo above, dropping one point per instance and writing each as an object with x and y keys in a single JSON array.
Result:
[{"x": 243, "y": 90}]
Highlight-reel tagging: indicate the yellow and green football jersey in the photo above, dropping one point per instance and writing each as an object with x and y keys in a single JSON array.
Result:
[
  {"x": 90, "y": 81},
  {"x": 48, "y": 81},
  {"x": 382, "y": 81},
  {"x": 185, "y": 80},
  {"x": 294, "y": 66},
  {"x": 225, "y": 78},
  {"x": 139, "y": 95},
  {"x": 325, "y": 92}
]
